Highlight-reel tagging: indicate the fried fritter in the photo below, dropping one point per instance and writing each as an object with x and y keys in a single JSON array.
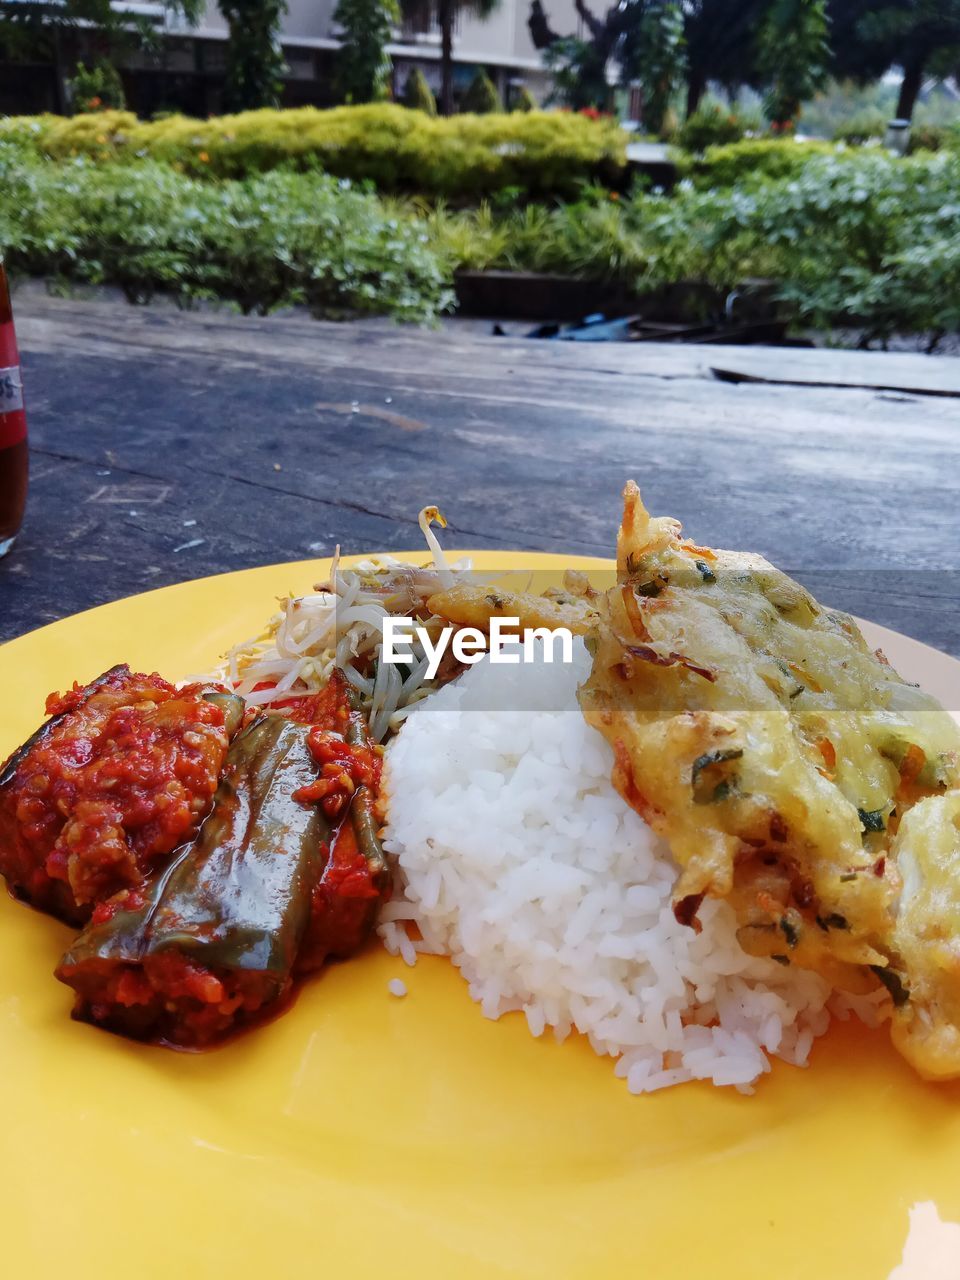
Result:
[
  {"x": 475, "y": 605},
  {"x": 782, "y": 759}
]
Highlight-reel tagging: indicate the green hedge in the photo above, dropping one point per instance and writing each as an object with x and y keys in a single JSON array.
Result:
[
  {"x": 752, "y": 159},
  {"x": 712, "y": 125},
  {"x": 872, "y": 244},
  {"x": 272, "y": 240},
  {"x": 854, "y": 237},
  {"x": 466, "y": 156}
]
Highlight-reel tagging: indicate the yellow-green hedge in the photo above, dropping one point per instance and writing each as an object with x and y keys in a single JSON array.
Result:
[
  {"x": 754, "y": 158},
  {"x": 395, "y": 148}
]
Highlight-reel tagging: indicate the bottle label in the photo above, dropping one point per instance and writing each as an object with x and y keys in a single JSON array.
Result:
[{"x": 13, "y": 421}]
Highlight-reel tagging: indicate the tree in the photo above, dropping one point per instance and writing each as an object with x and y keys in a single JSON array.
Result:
[
  {"x": 794, "y": 55},
  {"x": 720, "y": 38},
  {"x": 634, "y": 40},
  {"x": 255, "y": 65},
  {"x": 34, "y": 29},
  {"x": 922, "y": 37},
  {"x": 652, "y": 51},
  {"x": 580, "y": 67},
  {"x": 579, "y": 72},
  {"x": 417, "y": 94},
  {"x": 778, "y": 44},
  {"x": 445, "y": 13},
  {"x": 363, "y": 66}
]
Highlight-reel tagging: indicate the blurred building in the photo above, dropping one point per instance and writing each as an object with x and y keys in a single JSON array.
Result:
[{"x": 185, "y": 72}]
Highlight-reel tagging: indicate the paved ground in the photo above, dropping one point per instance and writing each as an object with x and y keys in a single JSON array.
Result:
[{"x": 168, "y": 446}]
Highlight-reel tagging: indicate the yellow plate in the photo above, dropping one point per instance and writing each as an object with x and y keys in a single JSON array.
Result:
[{"x": 361, "y": 1135}]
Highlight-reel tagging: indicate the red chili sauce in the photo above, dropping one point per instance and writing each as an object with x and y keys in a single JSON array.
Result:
[
  {"x": 123, "y": 774},
  {"x": 345, "y": 902},
  {"x": 174, "y": 998}
]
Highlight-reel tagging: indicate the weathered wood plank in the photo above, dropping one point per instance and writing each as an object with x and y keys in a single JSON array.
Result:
[
  {"x": 232, "y": 335},
  {"x": 281, "y": 438}
]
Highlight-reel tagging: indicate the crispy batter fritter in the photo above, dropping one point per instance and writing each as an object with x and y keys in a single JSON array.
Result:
[
  {"x": 790, "y": 768},
  {"x": 474, "y": 606}
]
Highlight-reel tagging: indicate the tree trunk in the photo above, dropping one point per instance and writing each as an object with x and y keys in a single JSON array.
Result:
[
  {"x": 446, "y": 12},
  {"x": 696, "y": 87},
  {"x": 910, "y": 88}
]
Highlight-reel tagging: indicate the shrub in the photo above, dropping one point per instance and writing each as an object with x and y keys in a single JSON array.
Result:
[
  {"x": 591, "y": 240},
  {"x": 839, "y": 234},
  {"x": 546, "y": 153},
  {"x": 263, "y": 242},
  {"x": 753, "y": 159},
  {"x": 669, "y": 126},
  {"x": 481, "y": 96},
  {"x": 522, "y": 99},
  {"x": 930, "y": 137},
  {"x": 861, "y": 127},
  {"x": 97, "y": 88},
  {"x": 852, "y": 237},
  {"x": 417, "y": 94},
  {"x": 711, "y": 125},
  {"x": 872, "y": 243}
]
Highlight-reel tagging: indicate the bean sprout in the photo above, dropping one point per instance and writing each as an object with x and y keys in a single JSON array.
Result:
[{"x": 340, "y": 625}]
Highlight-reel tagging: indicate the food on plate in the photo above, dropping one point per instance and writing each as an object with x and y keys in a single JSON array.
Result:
[
  {"x": 782, "y": 760},
  {"x": 123, "y": 771},
  {"x": 340, "y": 627},
  {"x": 217, "y": 938},
  {"x": 516, "y": 857},
  {"x": 926, "y": 936},
  {"x": 474, "y": 604},
  {"x": 722, "y": 823}
]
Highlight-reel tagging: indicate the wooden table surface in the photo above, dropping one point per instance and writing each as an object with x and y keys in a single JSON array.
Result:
[{"x": 167, "y": 446}]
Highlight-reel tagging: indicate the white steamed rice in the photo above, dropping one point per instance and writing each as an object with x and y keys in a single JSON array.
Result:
[{"x": 516, "y": 857}]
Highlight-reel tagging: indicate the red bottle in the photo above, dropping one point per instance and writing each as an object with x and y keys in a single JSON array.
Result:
[{"x": 13, "y": 427}]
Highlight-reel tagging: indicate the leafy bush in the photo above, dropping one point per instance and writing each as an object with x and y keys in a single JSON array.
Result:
[
  {"x": 461, "y": 157},
  {"x": 930, "y": 137},
  {"x": 923, "y": 286},
  {"x": 267, "y": 241},
  {"x": 669, "y": 126},
  {"x": 852, "y": 236},
  {"x": 829, "y": 110},
  {"x": 523, "y": 100},
  {"x": 481, "y": 96},
  {"x": 838, "y": 234},
  {"x": 861, "y": 127},
  {"x": 591, "y": 240},
  {"x": 97, "y": 88},
  {"x": 871, "y": 243},
  {"x": 417, "y": 94},
  {"x": 753, "y": 160},
  {"x": 710, "y": 126}
]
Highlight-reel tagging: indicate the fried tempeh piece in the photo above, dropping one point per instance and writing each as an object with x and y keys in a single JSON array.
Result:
[{"x": 777, "y": 754}]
